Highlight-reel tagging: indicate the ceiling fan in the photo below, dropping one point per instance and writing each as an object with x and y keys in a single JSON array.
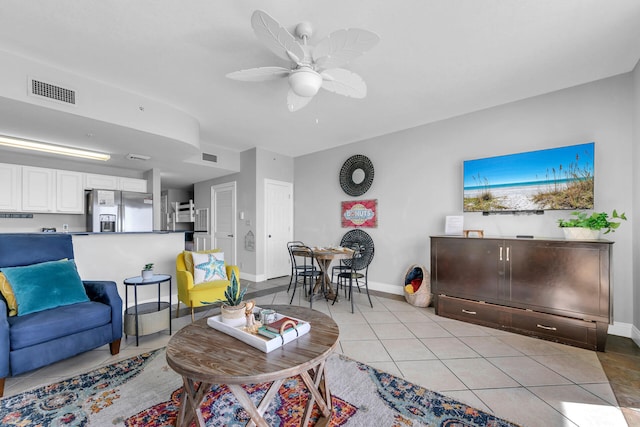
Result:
[{"x": 312, "y": 67}]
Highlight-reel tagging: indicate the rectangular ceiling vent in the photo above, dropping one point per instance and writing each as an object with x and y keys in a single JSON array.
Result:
[
  {"x": 52, "y": 92},
  {"x": 210, "y": 157}
]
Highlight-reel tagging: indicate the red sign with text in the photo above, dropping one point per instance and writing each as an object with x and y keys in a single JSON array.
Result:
[{"x": 360, "y": 213}]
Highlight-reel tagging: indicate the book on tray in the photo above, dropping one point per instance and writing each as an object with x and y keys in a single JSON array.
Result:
[{"x": 275, "y": 326}]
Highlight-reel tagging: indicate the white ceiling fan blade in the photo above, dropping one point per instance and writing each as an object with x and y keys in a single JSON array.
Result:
[
  {"x": 342, "y": 46},
  {"x": 295, "y": 101},
  {"x": 260, "y": 74},
  {"x": 344, "y": 82},
  {"x": 275, "y": 37}
]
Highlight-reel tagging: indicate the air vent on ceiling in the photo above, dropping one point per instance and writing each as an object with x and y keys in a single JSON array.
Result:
[
  {"x": 210, "y": 157},
  {"x": 52, "y": 92},
  {"x": 132, "y": 156}
]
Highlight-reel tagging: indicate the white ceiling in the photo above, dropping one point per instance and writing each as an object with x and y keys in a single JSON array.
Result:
[{"x": 436, "y": 59}]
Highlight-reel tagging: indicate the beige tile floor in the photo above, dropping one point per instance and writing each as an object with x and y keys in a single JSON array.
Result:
[{"x": 525, "y": 380}]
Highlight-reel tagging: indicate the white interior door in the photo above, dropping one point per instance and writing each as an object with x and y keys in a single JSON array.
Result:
[
  {"x": 279, "y": 227},
  {"x": 223, "y": 220}
]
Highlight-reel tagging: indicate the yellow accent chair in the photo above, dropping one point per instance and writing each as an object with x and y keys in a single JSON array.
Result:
[{"x": 192, "y": 295}]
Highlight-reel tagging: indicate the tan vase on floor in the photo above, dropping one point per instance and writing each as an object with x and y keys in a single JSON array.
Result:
[{"x": 233, "y": 315}]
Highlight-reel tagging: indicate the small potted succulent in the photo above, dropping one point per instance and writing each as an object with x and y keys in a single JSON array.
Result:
[
  {"x": 588, "y": 227},
  {"x": 147, "y": 271},
  {"x": 233, "y": 306}
]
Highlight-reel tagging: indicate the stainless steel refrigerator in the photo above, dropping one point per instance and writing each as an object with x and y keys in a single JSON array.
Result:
[{"x": 110, "y": 211}]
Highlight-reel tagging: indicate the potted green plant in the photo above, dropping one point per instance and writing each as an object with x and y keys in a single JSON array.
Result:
[
  {"x": 233, "y": 306},
  {"x": 147, "y": 271},
  {"x": 588, "y": 227}
]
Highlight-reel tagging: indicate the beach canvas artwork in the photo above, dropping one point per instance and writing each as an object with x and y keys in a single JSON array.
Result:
[{"x": 551, "y": 179}]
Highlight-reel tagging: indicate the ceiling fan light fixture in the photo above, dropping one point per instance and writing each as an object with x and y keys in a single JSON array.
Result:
[{"x": 305, "y": 82}]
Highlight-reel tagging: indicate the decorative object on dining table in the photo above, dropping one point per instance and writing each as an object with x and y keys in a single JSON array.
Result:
[
  {"x": 356, "y": 175},
  {"x": 265, "y": 340},
  {"x": 147, "y": 271},
  {"x": 359, "y": 213}
]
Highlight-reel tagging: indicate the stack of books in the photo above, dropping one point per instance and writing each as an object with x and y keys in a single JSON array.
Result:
[{"x": 274, "y": 329}]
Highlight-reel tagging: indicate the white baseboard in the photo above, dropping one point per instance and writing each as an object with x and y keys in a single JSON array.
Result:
[
  {"x": 386, "y": 287},
  {"x": 635, "y": 335},
  {"x": 621, "y": 329},
  {"x": 252, "y": 277}
]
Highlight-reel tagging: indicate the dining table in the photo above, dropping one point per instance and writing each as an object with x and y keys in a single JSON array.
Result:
[{"x": 324, "y": 256}]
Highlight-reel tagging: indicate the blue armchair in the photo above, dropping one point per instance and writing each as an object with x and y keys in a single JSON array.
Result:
[{"x": 40, "y": 338}]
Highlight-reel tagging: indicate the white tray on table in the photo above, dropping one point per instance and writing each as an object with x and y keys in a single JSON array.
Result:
[{"x": 259, "y": 341}]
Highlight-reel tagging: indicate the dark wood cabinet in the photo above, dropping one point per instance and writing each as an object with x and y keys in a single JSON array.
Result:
[{"x": 552, "y": 289}]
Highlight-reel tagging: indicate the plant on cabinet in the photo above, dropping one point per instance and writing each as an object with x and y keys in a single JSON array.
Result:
[{"x": 588, "y": 227}]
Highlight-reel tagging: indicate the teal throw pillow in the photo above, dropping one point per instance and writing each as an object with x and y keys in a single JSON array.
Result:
[{"x": 46, "y": 285}]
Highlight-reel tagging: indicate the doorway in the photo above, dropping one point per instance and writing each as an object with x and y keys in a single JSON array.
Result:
[
  {"x": 223, "y": 220},
  {"x": 278, "y": 227}
]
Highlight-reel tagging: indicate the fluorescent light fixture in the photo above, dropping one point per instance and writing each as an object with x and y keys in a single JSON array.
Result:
[{"x": 49, "y": 148}]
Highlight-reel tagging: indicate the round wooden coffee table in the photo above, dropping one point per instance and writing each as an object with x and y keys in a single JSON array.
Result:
[{"x": 200, "y": 353}]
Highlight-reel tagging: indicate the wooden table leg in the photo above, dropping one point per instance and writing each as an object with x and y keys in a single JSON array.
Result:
[
  {"x": 256, "y": 413},
  {"x": 323, "y": 280},
  {"x": 190, "y": 403},
  {"x": 319, "y": 392}
]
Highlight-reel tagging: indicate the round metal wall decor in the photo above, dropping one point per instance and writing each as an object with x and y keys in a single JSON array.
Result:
[{"x": 356, "y": 175}]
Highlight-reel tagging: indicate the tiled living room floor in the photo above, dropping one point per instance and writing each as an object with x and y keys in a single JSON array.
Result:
[{"x": 525, "y": 380}]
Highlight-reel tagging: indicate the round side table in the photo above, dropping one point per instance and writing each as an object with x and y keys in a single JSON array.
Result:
[{"x": 147, "y": 318}]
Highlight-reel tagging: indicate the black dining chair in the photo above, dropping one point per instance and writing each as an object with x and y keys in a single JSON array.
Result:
[
  {"x": 304, "y": 262},
  {"x": 358, "y": 266},
  {"x": 294, "y": 268}
]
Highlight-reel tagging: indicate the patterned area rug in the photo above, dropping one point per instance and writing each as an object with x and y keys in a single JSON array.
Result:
[{"x": 144, "y": 391}]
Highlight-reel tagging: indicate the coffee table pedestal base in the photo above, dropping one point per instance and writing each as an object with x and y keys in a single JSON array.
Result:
[{"x": 314, "y": 380}]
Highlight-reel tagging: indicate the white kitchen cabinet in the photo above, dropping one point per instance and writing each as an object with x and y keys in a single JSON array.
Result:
[
  {"x": 201, "y": 241},
  {"x": 100, "y": 182},
  {"x": 69, "y": 192},
  {"x": 10, "y": 187},
  {"x": 38, "y": 189},
  {"x": 132, "y": 184},
  {"x": 108, "y": 182}
]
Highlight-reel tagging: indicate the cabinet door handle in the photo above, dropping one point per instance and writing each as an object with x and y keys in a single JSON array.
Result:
[
  {"x": 508, "y": 253},
  {"x": 548, "y": 328},
  {"x": 470, "y": 312},
  {"x": 500, "y": 253}
]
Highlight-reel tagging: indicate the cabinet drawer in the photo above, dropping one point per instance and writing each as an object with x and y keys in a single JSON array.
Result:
[
  {"x": 470, "y": 311},
  {"x": 557, "y": 328}
]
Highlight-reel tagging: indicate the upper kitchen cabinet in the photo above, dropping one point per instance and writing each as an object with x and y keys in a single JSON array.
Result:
[
  {"x": 132, "y": 184},
  {"x": 38, "y": 189},
  {"x": 100, "y": 182},
  {"x": 108, "y": 182},
  {"x": 69, "y": 192},
  {"x": 10, "y": 187}
]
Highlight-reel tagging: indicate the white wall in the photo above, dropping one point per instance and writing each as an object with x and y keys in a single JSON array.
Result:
[
  {"x": 418, "y": 178},
  {"x": 256, "y": 166},
  {"x": 636, "y": 203}
]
